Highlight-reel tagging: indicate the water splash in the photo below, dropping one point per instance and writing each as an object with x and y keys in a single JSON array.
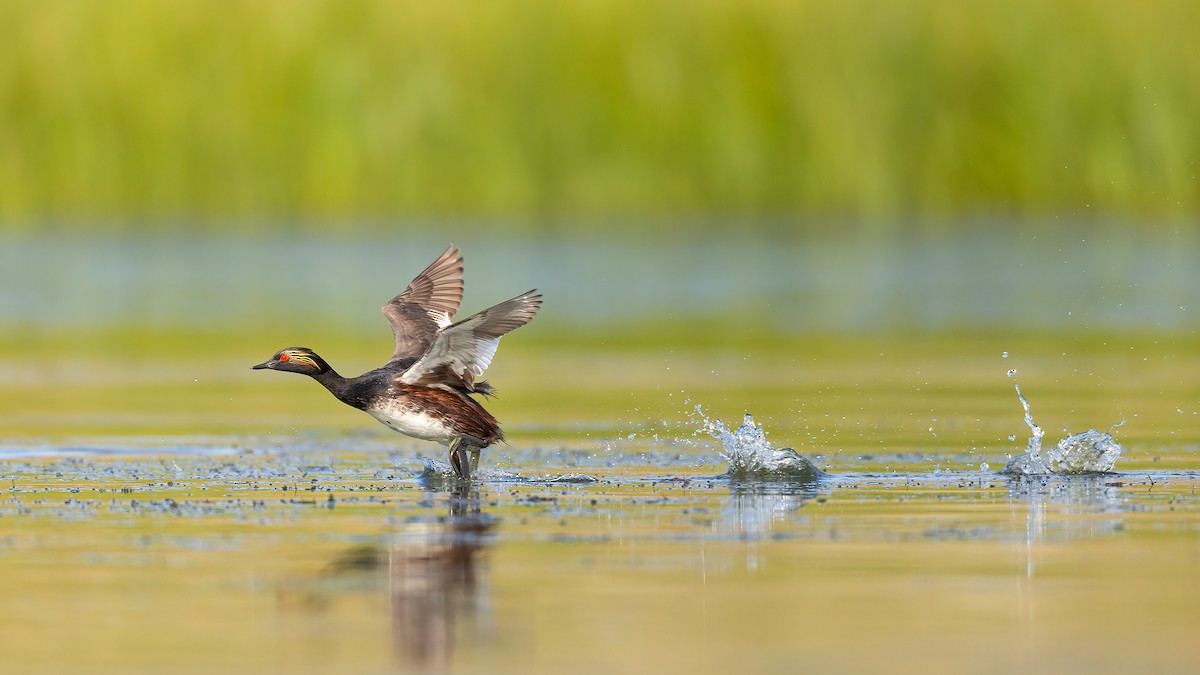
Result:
[
  {"x": 750, "y": 455},
  {"x": 1033, "y": 462},
  {"x": 1090, "y": 452},
  {"x": 437, "y": 473}
]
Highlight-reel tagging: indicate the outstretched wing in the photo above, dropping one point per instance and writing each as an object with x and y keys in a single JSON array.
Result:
[
  {"x": 461, "y": 352},
  {"x": 425, "y": 307}
]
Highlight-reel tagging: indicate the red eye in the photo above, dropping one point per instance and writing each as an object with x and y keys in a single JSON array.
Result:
[{"x": 283, "y": 356}]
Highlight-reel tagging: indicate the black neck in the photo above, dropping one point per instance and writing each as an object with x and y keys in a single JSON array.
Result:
[
  {"x": 359, "y": 391},
  {"x": 336, "y": 384}
]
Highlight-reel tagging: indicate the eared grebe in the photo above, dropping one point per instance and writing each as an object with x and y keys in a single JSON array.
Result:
[{"x": 424, "y": 391}]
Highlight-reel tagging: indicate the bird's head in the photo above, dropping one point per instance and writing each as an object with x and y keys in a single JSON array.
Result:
[{"x": 296, "y": 360}]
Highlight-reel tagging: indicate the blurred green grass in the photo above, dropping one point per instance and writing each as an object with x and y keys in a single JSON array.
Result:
[{"x": 124, "y": 114}]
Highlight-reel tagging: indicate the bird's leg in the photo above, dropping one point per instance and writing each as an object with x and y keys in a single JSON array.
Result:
[
  {"x": 459, "y": 459},
  {"x": 475, "y": 458}
]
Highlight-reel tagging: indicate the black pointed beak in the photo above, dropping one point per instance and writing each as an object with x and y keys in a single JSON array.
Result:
[{"x": 264, "y": 364}]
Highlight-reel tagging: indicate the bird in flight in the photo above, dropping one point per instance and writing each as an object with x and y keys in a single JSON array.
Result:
[{"x": 426, "y": 389}]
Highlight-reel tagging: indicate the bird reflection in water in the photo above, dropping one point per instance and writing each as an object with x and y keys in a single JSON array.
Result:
[{"x": 436, "y": 581}]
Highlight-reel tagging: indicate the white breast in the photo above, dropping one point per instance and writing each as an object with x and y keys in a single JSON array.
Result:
[{"x": 412, "y": 423}]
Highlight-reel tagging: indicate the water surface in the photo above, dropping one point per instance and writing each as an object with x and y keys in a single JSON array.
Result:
[
  {"x": 168, "y": 509},
  {"x": 326, "y": 562}
]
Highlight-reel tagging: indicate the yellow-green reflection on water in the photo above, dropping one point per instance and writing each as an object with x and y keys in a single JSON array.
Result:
[
  {"x": 167, "y": 509},
  {"x": 270, "y": 564},
  {"x": 937, "y": 392}
]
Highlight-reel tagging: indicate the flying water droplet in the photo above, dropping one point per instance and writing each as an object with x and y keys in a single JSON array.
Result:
[
  {"x": 1089, "y": 452},
  {"x": 750, "y": 454}
]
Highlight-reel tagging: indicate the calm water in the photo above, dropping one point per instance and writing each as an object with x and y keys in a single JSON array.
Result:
[
  {"x": 998, "y": 277},
  {"x": 169, "y": 509}
]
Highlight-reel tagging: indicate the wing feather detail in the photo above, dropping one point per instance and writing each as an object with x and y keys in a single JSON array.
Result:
[
  {"x": 460, "y": 353},
  {"x": 426, "y": 305}
]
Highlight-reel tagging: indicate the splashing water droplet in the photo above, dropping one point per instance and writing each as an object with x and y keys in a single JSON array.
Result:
[
  {"x": 1012, "y": 372},
  {"x": 1089, "y": 452},
  {"x": 750, "y": 455},
  {"x": 1004, "y": 355},
  {"x": 984, "y": 466}
]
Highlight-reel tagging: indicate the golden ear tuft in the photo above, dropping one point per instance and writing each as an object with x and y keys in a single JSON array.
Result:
[{"x": 299, "y": 357}]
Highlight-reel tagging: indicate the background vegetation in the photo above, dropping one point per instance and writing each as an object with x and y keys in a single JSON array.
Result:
[{"x": 127, "y": 114}]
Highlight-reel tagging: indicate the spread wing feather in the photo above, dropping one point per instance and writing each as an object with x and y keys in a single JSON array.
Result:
[
  {"x": 426, "y": 306},
  {"x": 461, "y": 352}
]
